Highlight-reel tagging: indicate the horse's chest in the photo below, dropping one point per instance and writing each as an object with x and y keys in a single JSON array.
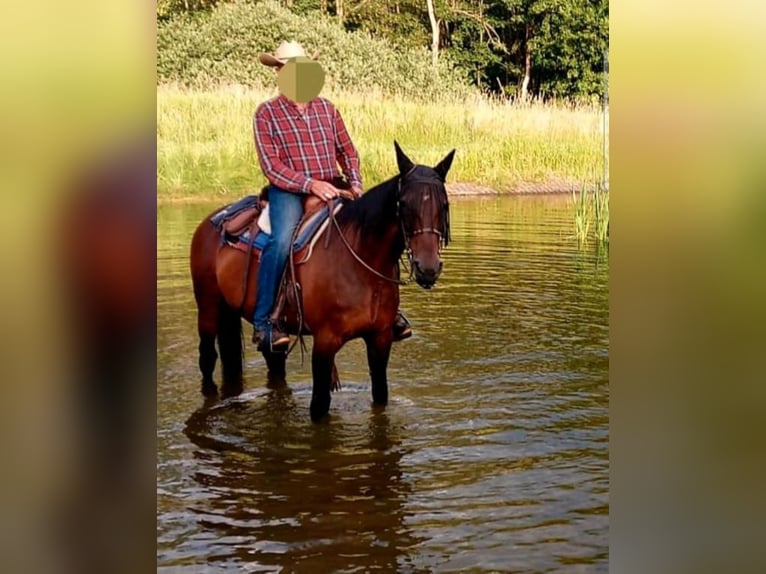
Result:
[{"x": 381, "y": 301}]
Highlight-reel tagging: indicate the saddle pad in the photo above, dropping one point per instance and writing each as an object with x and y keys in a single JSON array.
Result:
[
  {"x": 232, "y": 210},
  {"x": 308, "y": 228}
]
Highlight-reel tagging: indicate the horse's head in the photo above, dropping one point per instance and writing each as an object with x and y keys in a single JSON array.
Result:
[{"x": 424, "y": 215}]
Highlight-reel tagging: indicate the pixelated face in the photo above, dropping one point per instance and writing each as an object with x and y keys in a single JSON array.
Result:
[{"x": 301, "y": 79}]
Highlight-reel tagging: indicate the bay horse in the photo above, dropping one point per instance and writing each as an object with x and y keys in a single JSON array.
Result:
[{"x": 349, "y": 288}]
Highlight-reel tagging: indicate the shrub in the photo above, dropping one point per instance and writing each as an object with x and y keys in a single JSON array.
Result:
[{"x": 208, "y": 49}]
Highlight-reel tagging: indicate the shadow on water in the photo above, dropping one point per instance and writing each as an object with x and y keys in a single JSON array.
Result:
[{"x": 309, "y": 498}]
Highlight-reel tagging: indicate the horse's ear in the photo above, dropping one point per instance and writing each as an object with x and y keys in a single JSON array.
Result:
[
  {"x": 445, "y": 164},
  {"x": 404, "y": 163}
]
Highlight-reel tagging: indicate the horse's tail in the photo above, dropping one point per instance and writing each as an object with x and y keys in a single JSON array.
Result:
[{"x": 230, "y": 343}]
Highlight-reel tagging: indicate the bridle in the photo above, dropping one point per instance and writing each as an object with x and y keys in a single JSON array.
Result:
[{"x": 422, "y": 230}]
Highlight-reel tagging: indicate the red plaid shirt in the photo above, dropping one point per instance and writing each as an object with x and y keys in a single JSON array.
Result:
[{"x": 295, "y": 148}]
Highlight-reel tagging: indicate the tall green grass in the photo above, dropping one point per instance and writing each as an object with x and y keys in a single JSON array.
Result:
[{"x": 206, "y": 150}]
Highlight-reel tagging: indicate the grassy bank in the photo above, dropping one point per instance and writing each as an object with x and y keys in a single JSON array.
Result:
[{"x": 205, "y": 142}]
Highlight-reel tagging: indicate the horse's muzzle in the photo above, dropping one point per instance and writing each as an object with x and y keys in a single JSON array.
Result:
[{"x": 426, "y": 276}]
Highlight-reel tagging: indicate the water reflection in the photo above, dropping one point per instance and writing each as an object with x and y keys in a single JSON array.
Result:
[
  {"x": 308, "y": 498},
  {"x": 492, "y": 454}
]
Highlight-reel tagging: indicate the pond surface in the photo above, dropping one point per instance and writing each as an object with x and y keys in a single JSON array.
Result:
[{"x": 492, "y": 454}]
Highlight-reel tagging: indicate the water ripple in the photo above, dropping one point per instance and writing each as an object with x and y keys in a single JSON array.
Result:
[{"x": 492, "y": 454}]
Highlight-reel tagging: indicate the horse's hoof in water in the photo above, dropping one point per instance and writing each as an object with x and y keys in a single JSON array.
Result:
[
  {"x": 319, "y": 411},
  {"x": 376, "y": 408},
  {"x": 380, "y": 399},
  {"x": 276, "y": 380},
  {"x": 232, "y": 389},
  {"x": 316, "y": 419},
  {"x": 209, "y": 389}
]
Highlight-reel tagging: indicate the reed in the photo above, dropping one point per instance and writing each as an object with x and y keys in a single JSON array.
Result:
[{"x": 591, "y": 214}]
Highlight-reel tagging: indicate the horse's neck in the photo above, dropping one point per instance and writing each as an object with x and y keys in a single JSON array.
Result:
[
  {"x": 380, "y": 248},
  {"x": 375, "y": 235}
]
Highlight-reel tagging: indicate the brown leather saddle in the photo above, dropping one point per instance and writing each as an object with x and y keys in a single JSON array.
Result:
[{"x": 239, "y": 228}]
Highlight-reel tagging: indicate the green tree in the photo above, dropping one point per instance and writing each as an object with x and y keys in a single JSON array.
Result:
[
  {"x": 571, "y": 47},
  {"x": 539, "y": 47}
]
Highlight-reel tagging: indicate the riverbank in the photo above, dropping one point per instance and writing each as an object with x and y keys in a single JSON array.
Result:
[
  {"x": 205, "y": 149},
  {"x": 454, "y": 190}
]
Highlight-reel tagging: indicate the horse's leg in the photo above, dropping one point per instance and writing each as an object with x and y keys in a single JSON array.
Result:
[
  {"x": 378, "y": 351},
  {"x": 322, "y": 367},
  {"x": 207, "y": 328},
  {"x": 275, "y": 362},
  {"x": 230, "y": 346}
]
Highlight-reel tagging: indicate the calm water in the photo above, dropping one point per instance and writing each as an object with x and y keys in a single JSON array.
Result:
[{"x": 491, "y": 456}]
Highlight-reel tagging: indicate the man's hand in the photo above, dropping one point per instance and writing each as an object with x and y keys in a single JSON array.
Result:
[
  {"x": 323, "y": 190},
  {"x": 357, "y": 190}
]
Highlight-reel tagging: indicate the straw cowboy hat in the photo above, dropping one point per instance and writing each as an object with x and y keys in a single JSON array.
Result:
[{"x": 285, "y": 51}]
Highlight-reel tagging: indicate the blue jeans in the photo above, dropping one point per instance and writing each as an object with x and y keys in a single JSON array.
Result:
[{"x": 285, "y": 212}]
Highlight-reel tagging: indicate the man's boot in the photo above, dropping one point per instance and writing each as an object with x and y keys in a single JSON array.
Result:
[
  {"x": 402, "y": 327},
  {"x": 271, "y": 339}
]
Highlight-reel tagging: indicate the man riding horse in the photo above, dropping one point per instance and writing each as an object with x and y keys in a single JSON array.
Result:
[{"x": 299, "y": 139}]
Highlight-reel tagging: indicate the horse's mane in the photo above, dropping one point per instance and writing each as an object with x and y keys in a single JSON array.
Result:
[{"x": 374, "y": 208}]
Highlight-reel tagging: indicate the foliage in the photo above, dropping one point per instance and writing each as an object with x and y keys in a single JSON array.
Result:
[
  {"x": 398, "y": 22},
  {"x": 489, "y": 41},
  {"x": 571, "y": 49},
  {"x": 167, "y": 8},
  {"x": 222, "y": 47}
]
